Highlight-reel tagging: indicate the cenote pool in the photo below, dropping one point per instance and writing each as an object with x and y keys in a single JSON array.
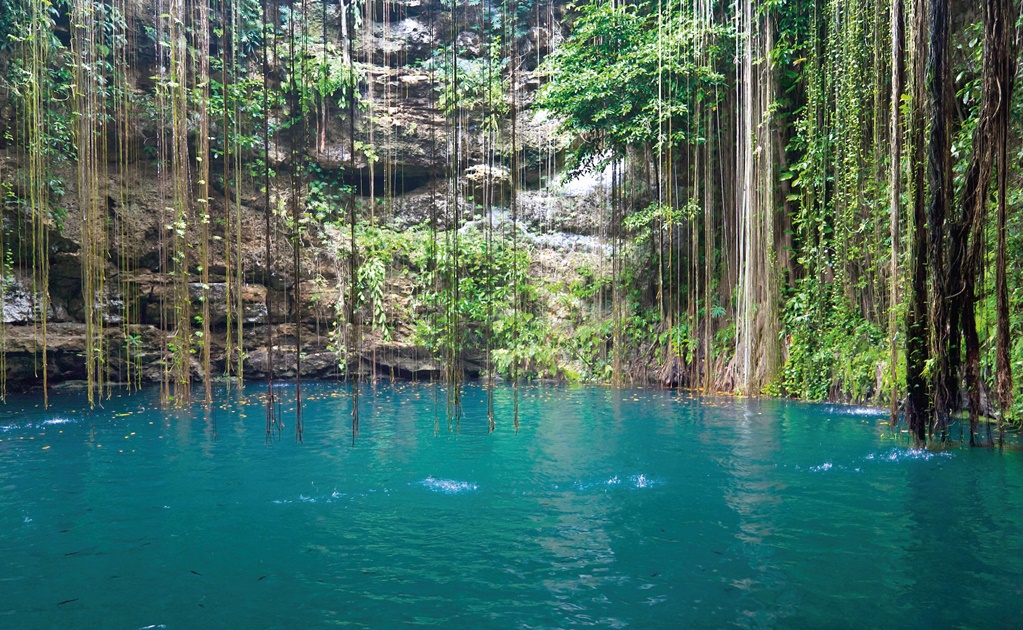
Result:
[{"x": 638, "y": 508}]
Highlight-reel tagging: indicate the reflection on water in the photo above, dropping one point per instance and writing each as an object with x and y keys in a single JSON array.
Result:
[{"x": 642, "y": 508}]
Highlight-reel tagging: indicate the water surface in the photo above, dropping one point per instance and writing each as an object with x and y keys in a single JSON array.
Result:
[{"x": 633, "y": 508}]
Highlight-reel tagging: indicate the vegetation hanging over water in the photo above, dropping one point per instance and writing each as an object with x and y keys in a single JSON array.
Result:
[{"x": 810, "y": 199}]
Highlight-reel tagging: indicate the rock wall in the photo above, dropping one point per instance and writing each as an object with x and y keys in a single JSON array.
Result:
[{"x": 410, "y": 135}]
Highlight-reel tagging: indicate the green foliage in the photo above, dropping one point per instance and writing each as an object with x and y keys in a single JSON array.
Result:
[
  {"x": 488, "y": 280},
  {"x": 335, "y": 80},
  {"x": 527, "y": 340},
  {"x": 683, "y": 340},
  {"x": 239, "y": 104},
  {"x": 326, "y": 193},
  {"x": 658, "y": 215},
  {"x": 833, "y": 351},
  {"x": 590, "y": 346},
  {"x": 477, "y": 87},
  {"x": 1014, "y": 245},
  {"x": 372, "y": 273},
  {"x": 623, "y": 78}
]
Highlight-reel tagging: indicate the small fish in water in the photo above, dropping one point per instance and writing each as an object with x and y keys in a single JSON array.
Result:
[
  {"x": 67, "y": 601},
  {"x": 194, "y": 572},
  {"x": 261, "y": 578}
]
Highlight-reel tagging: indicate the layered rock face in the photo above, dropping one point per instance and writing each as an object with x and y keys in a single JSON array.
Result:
[{"x": 407, "y": 177}]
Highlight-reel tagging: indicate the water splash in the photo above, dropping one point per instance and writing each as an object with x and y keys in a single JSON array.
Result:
[
  {"x": 52, "y": 421},
  {"x": 859, "y": 412},
  {"x": 641, "y": 481},
  {"x": 333, "y": 497},
  {"x": 907, "y": 454},
  {"x": 448, "y": 486},
  {"x": 29, "y": 426},
  {"x": 638, "y": 482}
]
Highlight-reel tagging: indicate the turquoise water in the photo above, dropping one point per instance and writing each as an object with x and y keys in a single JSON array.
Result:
[{"x": 634, "y": 508}]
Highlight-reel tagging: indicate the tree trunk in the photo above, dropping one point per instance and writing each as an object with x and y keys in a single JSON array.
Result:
[
  {"x": 895, "y": 187},
  {"x": 1001, "y": 131},
  {"x": 917, "y": 347},
  {"x": 995, "y": 77},
  {"x": 939, "y": 158}
]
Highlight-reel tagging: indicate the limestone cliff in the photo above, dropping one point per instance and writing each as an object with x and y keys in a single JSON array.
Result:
[{"x": 404, "y": 180}]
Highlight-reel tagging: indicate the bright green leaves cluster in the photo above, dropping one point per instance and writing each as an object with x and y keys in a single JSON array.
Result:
[
  {"x": 372, "y": 274},
  {"x": 335, "y": 80},
  {"x": 326, "y": 192},
  {"x": 490, "y": 276},
  {"x": 834, "y": 352},
  {"x": 628, "y": 77}
]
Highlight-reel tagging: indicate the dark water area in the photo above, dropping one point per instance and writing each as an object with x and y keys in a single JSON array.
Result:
[{"x": 628, "y": 508}]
